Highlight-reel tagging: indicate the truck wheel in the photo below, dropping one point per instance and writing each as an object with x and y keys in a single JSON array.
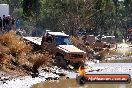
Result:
[
  {"x": 98, "y": 57},
  {"x": 77, "y": 65},
  {"x": 60, "y": 61},
  {"x": 80, "y": 80}
]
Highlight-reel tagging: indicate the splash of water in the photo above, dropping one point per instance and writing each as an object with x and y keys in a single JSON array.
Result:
[{"x": 123, "y": 40}]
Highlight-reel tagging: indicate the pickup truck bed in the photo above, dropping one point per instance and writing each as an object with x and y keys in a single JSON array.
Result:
[{"x": 36, "y": 40}]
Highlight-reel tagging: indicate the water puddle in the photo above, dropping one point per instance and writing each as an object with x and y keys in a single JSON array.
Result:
[
  {"x": 71, "y": 83},
  {"x": 122, "y": 85}
]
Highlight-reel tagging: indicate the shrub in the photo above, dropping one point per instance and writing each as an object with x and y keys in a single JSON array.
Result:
[{"x": 14, "y": 43}]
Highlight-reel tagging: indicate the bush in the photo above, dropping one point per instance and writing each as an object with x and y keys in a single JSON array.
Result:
[{"x": 14, "y": 43}]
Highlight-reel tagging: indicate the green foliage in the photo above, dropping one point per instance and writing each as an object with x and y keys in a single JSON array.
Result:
[
  {"x": 106, "y": 16},
  {"x": 13, "y": 4},
  {"x": 17, "y": 13},
  {"x": 31, "y": 8}
]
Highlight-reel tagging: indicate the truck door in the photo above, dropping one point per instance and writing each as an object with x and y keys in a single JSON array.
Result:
[{"x": 48, "y": 44}]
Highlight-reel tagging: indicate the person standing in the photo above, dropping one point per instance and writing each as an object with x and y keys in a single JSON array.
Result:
[
  {"x": 13, "y": 23},
  {"x": 17, "y": 24},
  {"x": 0, "y": 23},
  {"x": 4, "y": 22},
  {"x": 8, "y": 23}
]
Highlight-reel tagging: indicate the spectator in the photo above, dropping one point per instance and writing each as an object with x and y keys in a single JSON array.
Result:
[
  {"x": 8, "y": 23},
  {"x": 0, "y": 23},
  {"x": 13, "y": 23},
  {"x": 4, "y": 21},
  {"x": 17, "y": 24}
]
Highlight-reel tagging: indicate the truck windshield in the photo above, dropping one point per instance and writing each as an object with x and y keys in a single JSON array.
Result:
[{"x": 62, "y": 40}]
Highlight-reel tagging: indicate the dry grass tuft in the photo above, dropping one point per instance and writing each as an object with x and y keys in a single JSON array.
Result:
[
  {"x": 40, "y": 59},
  {"x": 14, "y": 43},
  {"x": 15, "y": 53}
]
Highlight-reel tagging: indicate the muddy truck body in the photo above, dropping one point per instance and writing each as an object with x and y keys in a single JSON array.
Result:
[
  {"x": 59, "y": 45},
  {"x": 94, "y": 42}
]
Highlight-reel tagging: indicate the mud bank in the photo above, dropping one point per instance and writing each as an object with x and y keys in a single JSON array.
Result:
[
  {"x": 68, "y": 80},
  {"x": 11, "y": 81},
  {"x": 45, "y": 73},
  {"x": 99, "y": 68}
]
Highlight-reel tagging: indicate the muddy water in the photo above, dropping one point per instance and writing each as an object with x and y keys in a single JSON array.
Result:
[
  {"x": 111, "y": 68},
  {"x": 71, "y": 83}
]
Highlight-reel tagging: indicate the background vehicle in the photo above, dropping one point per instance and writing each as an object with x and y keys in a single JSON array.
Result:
[
  {"x": 99, "y": 47},
  {"x": 4, "y": 10}
]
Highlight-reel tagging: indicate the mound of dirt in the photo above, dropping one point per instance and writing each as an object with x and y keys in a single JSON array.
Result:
[{"x": 16, "y": 55}]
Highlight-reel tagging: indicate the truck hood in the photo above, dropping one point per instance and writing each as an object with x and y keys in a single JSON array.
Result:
[{"x": 70, "y": 48}]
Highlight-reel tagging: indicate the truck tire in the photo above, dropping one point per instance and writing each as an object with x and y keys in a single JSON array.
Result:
[
  {"x": 60, "y": 61},
  {"x": 77, "y": 65},
  {"x": 80, "y": 80},
  {"x": 98, "y": 57}
]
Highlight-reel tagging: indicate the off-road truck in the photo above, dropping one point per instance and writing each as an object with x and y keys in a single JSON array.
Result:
[
  {"x": 63, "y": 51},
  {"x": 99, "y": 47},
  {"x": 58, "y": 44}
]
